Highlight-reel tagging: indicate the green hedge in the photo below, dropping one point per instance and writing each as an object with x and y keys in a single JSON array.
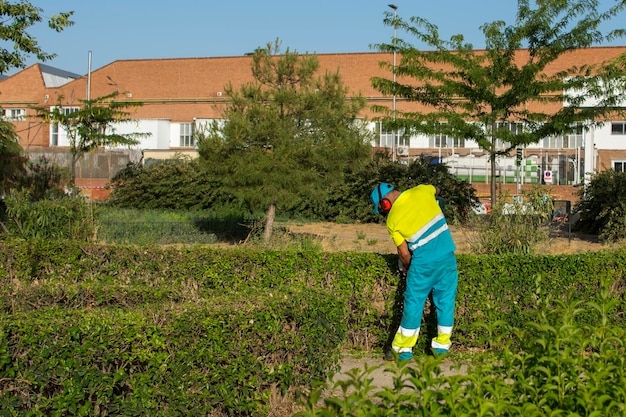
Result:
[
  {"x": 165, "y": 331},
  {"x": 228, "y": 354},
  {"x": 88, "y": 329},
  {"x": 184, "y": 359},
  {"x": 507, "y": 288}
]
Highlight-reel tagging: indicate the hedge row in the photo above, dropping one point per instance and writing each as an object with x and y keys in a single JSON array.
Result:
[
  {"x": 94, "y": 330},
  {"x": 179, "y": 359},
  {"x": 88, "y": 329}
]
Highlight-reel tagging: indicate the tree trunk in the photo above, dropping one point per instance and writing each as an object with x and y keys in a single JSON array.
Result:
[
  {"x": 493, "y": 179},
  {"x": 269, "y": 221},
  {"x": 493, "y": 164},
  {"x": 73, "y": 169}
]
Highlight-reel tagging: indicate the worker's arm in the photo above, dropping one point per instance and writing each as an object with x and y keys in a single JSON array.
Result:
[{"x": 404, "y": 255}]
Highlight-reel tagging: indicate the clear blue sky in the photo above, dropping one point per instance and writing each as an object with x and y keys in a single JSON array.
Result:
[{"x": 142, "y": 29}]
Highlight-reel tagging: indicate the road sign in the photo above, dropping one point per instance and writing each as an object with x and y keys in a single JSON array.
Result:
[{"x": 547, "y": 177}]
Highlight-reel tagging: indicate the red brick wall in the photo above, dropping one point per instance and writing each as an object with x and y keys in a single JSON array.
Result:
[
  {"x": 93, "y": 188},
  {"x": 559, "y": 192},
  {"x": 605, "y": 157}
]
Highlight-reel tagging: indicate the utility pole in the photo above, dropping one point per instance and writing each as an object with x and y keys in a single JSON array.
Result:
[
  {"x": 88, "y": 94},
  {"x": 393, "y": 105}
]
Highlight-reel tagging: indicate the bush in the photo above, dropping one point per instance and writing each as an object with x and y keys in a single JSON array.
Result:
[
  {"x": 220, "y": 355},
  {"x": 183, "y": 184},
  {"x": 351, "y": 201},
  {"x": 64, "y": 218},
  {"x": 93, "y": 330},
  {"x": 147, "y": 330},
  {"x": 602, "y": 206},
  {"x": 518, "y": 227},
  {"x": 172, "y": 184},
  {"x": 45, "y": 180}
]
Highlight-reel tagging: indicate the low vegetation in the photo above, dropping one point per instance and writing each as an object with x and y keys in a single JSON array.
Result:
[
  {"x": 518, "y": 227},
  {"x": 553, "y": 364},
  {"x": 187, "y": 185},
  {"x": 91, "y": 329}
]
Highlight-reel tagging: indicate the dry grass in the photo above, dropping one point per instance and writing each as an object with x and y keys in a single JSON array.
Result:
[{"x": 374, "y": 238}]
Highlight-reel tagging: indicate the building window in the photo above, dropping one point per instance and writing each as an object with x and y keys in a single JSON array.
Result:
[
  {"x": 14, "y": 115},
  {"x": 618, "y": 128},
  {"x": 553, "y": 142},
  {"x": 563, "y": 142},
  {"x": 570, "y": 141},
  {"x": 574, "y": 139},
  {"x": 186, "y": 135},
  {"x": 619, "y": 166},
  {"x": 442, "y": 140},
  {"x": 54, "y": 134},
  {"x": 437, "y": 141},
  {"x": 385, "y": 136},
  {"x": 514, "y": 127},
  {"x": 70, "y": 110},
  {"x": 445, "y": 141},
  {"x": 54, "y": 127}
]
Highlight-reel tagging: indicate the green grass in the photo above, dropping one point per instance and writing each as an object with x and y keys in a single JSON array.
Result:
[{"x": 132, "y": 226}]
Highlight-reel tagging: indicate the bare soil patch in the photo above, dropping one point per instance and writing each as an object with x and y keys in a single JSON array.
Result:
[{"x": 373, "y": 237}]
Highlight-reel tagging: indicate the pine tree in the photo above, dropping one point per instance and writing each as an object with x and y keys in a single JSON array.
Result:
[{"x": 287, "y": 136}]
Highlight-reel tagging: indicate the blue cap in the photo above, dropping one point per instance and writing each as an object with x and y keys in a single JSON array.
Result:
[{"x": 378, "y": 193}]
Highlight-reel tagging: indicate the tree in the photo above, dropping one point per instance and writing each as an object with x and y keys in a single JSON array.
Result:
[
  {"x": 287, "y": 136},
  {"x": 92, "y": 125},
  {"x": 474, "y": 94},
  {"x": 16, "y": 19},
  {"x": 12, "y": 158}
]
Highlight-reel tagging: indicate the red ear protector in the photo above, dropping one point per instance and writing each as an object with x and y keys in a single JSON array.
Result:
[{"x": 384, "y": 205}]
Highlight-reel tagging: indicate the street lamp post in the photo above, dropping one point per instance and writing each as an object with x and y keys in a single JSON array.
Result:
[{"x": 393, "y": 105}]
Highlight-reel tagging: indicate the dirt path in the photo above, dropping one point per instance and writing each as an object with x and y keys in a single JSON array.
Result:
[{"x": 381, "y": 372}]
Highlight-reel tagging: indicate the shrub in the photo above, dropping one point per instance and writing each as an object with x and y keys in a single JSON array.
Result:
[
  {"x": 65, "y": 218},
  {"x": 218, "y": 356},
  {"x": 184, "y": 184},
  {"x": 517, "y": 227},
  {"x": 171, "y": 184},
  {"x": 351, "y": 201},
  {"x": 550, "y": 365},
  {"x": 113, "y": 329},
  {"x": 602, "y": 206},
  {"x": 45, "y": 180}
]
